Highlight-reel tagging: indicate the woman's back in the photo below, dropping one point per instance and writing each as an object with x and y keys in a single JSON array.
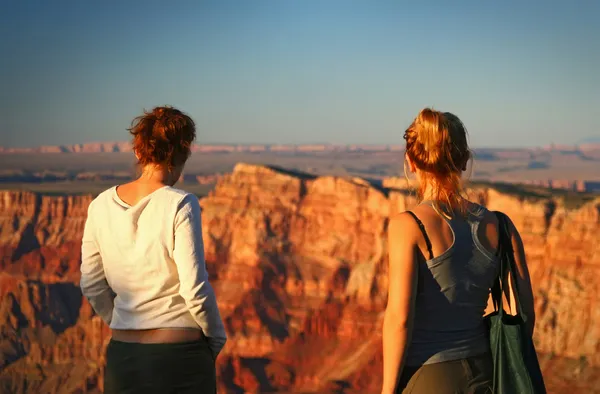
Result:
[
  {"x": 143, "y": 269},
  {"x": 441, "y": 268},
  {"x": 453, "y": 284},
  {"x": 137, "y": 246}
]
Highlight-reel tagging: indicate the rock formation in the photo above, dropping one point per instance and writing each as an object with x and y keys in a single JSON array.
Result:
[
  {"x": 590, "y": 150},
  {"x": 300, "y": 270}
]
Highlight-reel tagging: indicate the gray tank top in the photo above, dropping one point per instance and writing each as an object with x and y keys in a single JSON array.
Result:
[{"x": 452, "y": 296}]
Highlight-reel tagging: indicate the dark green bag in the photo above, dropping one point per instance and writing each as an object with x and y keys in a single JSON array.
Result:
[{"x": 516, "y": 367}]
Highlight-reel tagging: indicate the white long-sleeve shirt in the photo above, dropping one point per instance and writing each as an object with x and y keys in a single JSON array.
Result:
[{"x": 143, "y": 265}]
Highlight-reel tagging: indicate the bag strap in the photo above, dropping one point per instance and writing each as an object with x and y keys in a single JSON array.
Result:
[
  {"x": 498, "y": 288},
  {"x": 422, "y": 227},
  {"x": 507, "y": 265}
]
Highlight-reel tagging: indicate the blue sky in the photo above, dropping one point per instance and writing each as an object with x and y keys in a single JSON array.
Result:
[{"x": 253, "y": 71}]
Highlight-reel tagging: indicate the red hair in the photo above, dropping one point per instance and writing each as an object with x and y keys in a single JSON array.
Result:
[
  {"x": 436, "y": 142},
  {"x": 163, "y": 136}
]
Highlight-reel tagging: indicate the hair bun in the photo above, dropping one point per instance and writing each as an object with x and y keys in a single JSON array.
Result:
[{"x": 436, "y": 142}]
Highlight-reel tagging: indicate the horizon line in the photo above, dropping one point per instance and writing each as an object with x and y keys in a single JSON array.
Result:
[{"x": 68, "y": 148}]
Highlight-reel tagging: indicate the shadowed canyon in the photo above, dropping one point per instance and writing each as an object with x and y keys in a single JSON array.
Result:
[{"x": 299, "y": 265}]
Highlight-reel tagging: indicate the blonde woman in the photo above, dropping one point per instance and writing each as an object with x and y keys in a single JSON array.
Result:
[{"x": 442, "y": 264}]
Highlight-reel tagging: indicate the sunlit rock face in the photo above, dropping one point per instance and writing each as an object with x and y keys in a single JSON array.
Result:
[{"x": 299, "y": 265}]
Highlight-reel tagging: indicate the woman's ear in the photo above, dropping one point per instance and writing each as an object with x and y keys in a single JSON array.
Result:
[{"x": 136, "y": 155}]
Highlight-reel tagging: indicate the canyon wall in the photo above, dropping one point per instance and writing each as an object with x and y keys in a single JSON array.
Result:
[{"x": 299, "y": 265}]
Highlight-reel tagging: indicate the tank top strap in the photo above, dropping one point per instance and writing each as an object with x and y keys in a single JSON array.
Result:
[
  {"x": 478, "y": 212},
  {"x": 424, "y": 232}
]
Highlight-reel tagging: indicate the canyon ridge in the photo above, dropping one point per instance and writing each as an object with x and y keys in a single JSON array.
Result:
[{"x": 299, "y": 266}]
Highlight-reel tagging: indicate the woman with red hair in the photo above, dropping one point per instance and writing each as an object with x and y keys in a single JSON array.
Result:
[{"x": 143, "y": 269}]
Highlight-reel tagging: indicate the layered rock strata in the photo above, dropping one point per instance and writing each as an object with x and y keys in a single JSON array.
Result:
[{"x": 300, "y": 271}]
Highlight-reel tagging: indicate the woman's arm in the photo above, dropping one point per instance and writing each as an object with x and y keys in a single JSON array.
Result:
[
  {"x": 188, "y": 253},
  {"x": 522, "y": 280},
  {"x": 402, "y": 285},
  {"x": 93, "y": 283}
]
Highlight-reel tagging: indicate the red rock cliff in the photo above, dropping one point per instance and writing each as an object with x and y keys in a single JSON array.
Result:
[{"x": 299, "y": 267}]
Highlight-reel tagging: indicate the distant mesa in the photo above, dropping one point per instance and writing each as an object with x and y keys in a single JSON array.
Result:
[
  {"x": 92, "y": 147},
  {"x": 102, "y": 147},
  {"x": 588, "y": 145}
]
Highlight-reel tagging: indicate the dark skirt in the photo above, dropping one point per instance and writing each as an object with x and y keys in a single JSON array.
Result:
[
  {"x": 471, "y": 375},
  {"x": 159, "y": 368}
]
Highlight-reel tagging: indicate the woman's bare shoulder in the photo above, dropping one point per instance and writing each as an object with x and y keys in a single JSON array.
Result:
[{"x": 402, "y": 221}]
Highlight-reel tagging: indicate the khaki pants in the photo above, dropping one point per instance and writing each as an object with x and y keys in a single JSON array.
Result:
[{"x": 471, "y": 375}]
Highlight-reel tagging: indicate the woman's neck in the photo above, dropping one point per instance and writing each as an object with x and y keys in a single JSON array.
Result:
[
  {"x": 153, "y": 175},
  {"x": 429, "y": 193}
]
